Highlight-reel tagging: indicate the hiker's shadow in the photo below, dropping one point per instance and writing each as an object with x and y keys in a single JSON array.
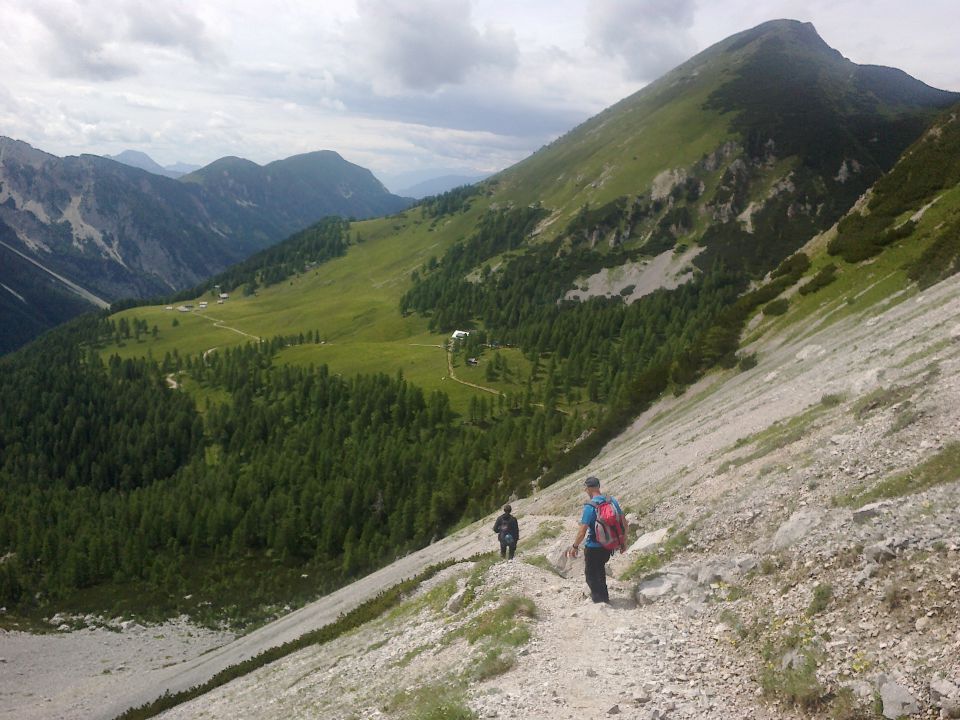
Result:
[{"x": 623, "y": 604}]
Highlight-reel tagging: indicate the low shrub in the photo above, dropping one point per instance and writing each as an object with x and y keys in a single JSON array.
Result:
[
  {"x": 776, "y": 307},
  {"x": 823, "y": 278},
  {"x": 747, "y": 362},
  {"x": 822, "y": 595},
  {"x": 496, "y": 661},
  {"x": 795, "y": 684},
  {"x": 503, "y": 624}
]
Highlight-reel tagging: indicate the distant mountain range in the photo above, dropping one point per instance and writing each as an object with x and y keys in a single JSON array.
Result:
[
  {"x": 437, "y": 185},
  {"x": 415, "y": 184},
  {"x": 119, "y": 231},
  {"x": 137, "y": 159},
  {"x": 429, "y": 181}
]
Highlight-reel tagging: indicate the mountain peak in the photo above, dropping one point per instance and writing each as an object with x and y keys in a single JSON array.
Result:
[
  {"x": 794, "y": 35},
  {"x": 139, "y": 159}
]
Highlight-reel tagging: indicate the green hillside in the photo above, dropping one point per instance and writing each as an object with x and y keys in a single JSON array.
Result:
[
  {"x": 321, "y": 423},
  {"x": 904, "y": 237},
  {"x": 717, "y": 123}
]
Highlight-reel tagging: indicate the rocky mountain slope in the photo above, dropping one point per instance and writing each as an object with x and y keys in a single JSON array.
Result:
[
  {"x": 121, "y": 232},
  {"x": 797, "y": 519},
  {"x": 763, "y": 584}
]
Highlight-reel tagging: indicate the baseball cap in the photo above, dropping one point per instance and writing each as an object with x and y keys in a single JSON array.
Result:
[{"x": 591, "y": 482}]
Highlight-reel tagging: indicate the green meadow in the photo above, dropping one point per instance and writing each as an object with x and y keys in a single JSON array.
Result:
[{"x": 351, "y": 305}]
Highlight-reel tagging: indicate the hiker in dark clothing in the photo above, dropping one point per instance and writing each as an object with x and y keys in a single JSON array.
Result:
[{"x": 508, "y": 531}]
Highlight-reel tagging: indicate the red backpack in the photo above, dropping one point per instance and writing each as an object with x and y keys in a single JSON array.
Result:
[{"x": 610, "y": 527}]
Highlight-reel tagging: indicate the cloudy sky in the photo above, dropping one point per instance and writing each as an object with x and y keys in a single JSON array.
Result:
[{"x": 394, "y": 85}]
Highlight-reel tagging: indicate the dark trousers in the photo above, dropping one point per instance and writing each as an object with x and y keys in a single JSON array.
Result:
[
  {"x": 503, "y": 549},
  {"x": 594, "y": 567}
]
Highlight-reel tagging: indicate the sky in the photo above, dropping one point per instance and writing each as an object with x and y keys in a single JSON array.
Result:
[{"x": 394, "y": 85}]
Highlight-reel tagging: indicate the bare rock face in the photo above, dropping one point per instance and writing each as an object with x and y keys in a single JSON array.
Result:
[
  {"x": 654, "y": 588},
  {"x": 897, "y": 701},
  {"x": 869, "y": 511},
  {"x": 797, "y": 527},
  {"x": 652, "y": 539},
  {"x": 878, "y": 553},
  {"x": 945, "y": 695},
  {"x": 941, "y": 689}
]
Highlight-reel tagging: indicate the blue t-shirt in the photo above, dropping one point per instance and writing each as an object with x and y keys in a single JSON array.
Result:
[{"x": 589, "y": 517}]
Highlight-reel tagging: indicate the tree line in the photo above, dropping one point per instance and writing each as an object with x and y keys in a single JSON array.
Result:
[{"x": 109, "y": 477}]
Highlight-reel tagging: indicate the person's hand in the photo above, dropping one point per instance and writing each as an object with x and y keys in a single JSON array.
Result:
[{"x": 572, "y": 551}]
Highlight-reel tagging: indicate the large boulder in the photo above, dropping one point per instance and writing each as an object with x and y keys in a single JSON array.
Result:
[
  {"x": 652, "y": 539},
  {"x": 941, "y": 689},
  {"x": 897, "y": 701},
  {"x": 655, "y": 587},
  {"x": 797, "y": 527},
  {"x": 878, "y": 553},
  {"x": 869, "y": 511}
]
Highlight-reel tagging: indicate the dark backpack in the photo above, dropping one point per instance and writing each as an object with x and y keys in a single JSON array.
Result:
[
  {"x": 610, "y": 527},
  {"x": 502, "y": 528}
]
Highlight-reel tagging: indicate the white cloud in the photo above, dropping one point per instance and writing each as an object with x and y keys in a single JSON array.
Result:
[
  {"x": 169, "y": 24},
  {"x": 428, "y": 44},
  {"x": 391, "y": 84},
  {"x": 106, "y": 40},
  {"x": 78, "y": 43},
  {"x": 650, "y": 36}
]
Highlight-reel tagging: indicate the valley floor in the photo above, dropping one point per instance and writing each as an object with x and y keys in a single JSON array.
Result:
[{"x": 75, "y": 674}]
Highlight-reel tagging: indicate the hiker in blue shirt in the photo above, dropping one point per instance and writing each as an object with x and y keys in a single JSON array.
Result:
[{"x": 595, "y": 555}]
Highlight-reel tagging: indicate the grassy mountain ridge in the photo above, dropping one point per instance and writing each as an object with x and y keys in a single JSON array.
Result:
[
  {"x": 328, "y": 390},
  {"x": 776, "y": 91},
  {"x": 298, "y": 190}
]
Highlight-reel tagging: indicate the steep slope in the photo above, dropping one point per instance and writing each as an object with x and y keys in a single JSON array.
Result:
[
  {"x": 766, "y": 534},
  {"x": 576, "y": 325},
  {"x": 32, "y": 300},
  {"x": 738, "y": 156},
  {"x": 763, "y": 138},
  {"x": 121, "y": 232},
  {"x": 753, "y": 517}
]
